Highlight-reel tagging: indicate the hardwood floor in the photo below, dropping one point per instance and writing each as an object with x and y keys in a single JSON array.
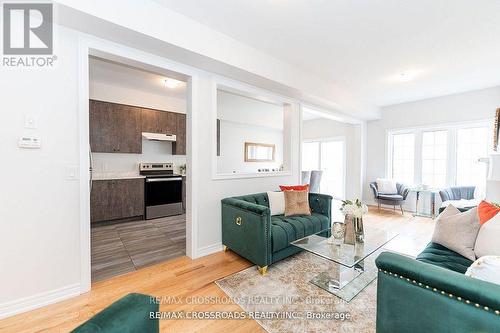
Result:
[
  {"x": 183, "y": 277},
  {"x": 125, "y": 247}
]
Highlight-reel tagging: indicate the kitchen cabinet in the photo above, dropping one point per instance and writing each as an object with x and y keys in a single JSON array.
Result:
[
  {"x": 154, "y": 121},
  {"x": 114, "y": 128},
  {"x": 116, "y": 199},
  {"x": 150, "y": 121},
  {"x": 117, "y": 128},
  {"x": 167, "y": 122},
  {"x": 179, "y": 146}
]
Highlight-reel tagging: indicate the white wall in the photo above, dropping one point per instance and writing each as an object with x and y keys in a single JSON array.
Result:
[
  {"x": 245, "y": 110},
  {"x": 113, "y": 82},
  {"x": 233, "y": 136},
  {"x": 325, "y": 128},
  {"x": 152, "y": 152},
  {"x": 120, "y": 84},
  {"x": 40, "y": 212},
  {"x": 244, "y": 119},
  {"x": 211, "y": 190},
  {"x": 198, "y": 45},
  {"x": 474, "y": 105}
]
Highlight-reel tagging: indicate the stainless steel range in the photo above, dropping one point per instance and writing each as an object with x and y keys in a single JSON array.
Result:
[{"x": 163, "y": 191}]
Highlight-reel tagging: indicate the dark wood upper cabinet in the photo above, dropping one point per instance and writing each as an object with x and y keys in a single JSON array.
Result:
[
  {"x": 117, "y": 128},
  {"x": 154, "y": 121},
  {"x": 167, "y": 122},
  {"x": 179, "y": 146},
  {"x": 114, "y": 128},
  {"x": 150, "y": 121}
]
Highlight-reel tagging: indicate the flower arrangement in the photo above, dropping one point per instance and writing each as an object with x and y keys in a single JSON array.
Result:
[{"x": 354, "y": 209}]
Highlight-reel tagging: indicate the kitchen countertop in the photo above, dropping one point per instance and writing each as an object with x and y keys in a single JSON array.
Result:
[{"x": 116, "y": 175}]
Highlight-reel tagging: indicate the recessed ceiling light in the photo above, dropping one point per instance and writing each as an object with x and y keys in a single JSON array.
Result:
[
  {"x": 171, "y": 83},
  {"x": 405, "y": 77}
]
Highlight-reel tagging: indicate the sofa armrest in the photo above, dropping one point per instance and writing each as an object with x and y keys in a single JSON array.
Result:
[
  {"x": 248, "y": 206},
  {"x": 246, "y": 230},
  {"x": 132, "y": 313},
  {"x": 321, "y": 204},
  {"x": 416, "y": 296},
  {"x": 373, "y": 186},
  {"x": 404, "y": 191}
]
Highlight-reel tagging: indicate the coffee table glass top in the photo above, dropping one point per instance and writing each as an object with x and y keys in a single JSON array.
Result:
[{"x": 345, "y": 254}]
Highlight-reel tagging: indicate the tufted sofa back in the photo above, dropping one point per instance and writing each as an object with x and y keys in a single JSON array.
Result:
[
  {"x": 457, "y": 193},
  {"x": 258, "y": 198}
]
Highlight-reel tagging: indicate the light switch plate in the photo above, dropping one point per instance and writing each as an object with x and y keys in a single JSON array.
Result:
[
  {"x": 30, "y": 121},
  {"x": 72, "y": 172}
]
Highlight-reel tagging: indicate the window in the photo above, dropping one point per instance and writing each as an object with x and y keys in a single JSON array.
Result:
[
  {"x": 310, "y": 156},
  {"x": 403, "y": 148},
  {"x": 440, "y": 157},
  {"x": 472, "y": 144},
  {"x": 434, "y": 157},
  {"x": 328, "y": 156}
]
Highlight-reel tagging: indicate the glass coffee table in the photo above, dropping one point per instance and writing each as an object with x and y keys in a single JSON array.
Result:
[{"x": 354, "y": 266}]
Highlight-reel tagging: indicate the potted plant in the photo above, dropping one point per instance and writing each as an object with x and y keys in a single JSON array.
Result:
[{"x": 353, "y": 213}]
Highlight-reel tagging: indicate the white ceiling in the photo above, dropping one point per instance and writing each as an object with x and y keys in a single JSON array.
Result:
[
  {"x": 118, "y": 74},
  {"x": 363, "y": 46}
]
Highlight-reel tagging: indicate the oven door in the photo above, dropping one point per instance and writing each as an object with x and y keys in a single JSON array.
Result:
[{"x": 163, "y": 197}]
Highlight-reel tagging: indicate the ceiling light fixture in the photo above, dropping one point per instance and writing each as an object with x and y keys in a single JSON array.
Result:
[
  {"x": 171, "y": 83},
  {"x": 405, "y": 77}
]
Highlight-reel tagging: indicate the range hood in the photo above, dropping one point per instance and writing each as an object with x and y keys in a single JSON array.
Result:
[{"x": 158, "y": 136}]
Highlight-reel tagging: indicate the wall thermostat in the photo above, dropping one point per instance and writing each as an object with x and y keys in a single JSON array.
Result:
[{"x": 32, "y": 142}]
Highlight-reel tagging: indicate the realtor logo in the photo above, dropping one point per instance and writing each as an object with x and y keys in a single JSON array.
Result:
[{"x": 27, "y": 29}]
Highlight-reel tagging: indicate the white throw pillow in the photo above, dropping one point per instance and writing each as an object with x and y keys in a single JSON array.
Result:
[
  {"x": 488, "y": 238},
  {"x": 457, "y": 231},
  {"x": 276, "y": 202},
  {"x": 486, "y": 268},
  {"x": 386, "y": 186}
]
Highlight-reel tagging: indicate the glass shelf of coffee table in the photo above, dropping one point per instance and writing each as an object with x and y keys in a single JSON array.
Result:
[{"x": 349, "y": 259}]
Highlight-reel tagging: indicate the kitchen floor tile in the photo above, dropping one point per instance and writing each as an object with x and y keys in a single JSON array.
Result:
[{"x": 124, "y": 247}]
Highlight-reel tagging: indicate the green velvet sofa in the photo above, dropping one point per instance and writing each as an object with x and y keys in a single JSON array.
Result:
[
  {"x": 249, "y": 230},
  {"x": 130, "y": 314},
  {"x": 431, "y": 294}
]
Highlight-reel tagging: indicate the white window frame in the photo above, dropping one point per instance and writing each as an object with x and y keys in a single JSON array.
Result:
[
  {"x": 390, "y": 150},
  {"x": 451, "y": 169},
  {"x": 341, "y": 139}
]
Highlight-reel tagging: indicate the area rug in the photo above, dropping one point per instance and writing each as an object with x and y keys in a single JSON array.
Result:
[{"x": 288, "y": 302}]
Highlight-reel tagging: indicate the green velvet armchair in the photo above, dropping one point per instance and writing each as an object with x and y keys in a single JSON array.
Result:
[
  {"x": 249, "y": 230},
  {"x": 130, "y": 314},
  {"x": 432, "y": 295}
]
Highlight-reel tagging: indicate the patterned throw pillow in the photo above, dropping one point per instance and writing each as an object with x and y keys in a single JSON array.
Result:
[
  {"x": 297, "y": 203},
  {"x": 486, "y": 268}
]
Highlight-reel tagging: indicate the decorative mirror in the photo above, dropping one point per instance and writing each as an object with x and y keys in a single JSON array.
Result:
[{"x": 259, "y": 152}]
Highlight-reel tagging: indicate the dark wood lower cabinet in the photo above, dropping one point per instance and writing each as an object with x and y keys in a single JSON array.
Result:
[{"x": 116, "y": 199}]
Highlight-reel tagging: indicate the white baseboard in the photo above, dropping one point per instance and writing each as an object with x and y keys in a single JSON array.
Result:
[
  {"x": 39, "y": 300},
  {"x": 206, "y": 250}
]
